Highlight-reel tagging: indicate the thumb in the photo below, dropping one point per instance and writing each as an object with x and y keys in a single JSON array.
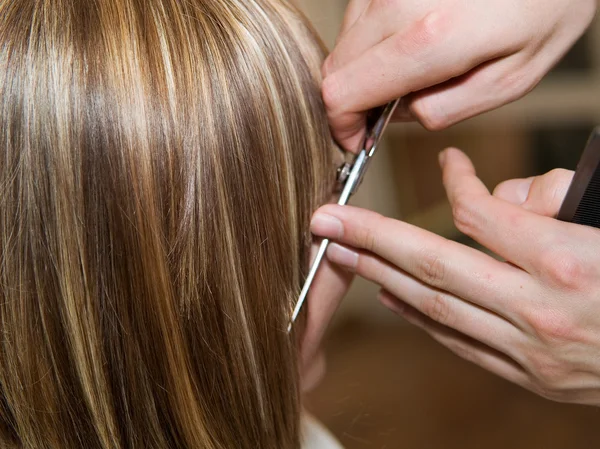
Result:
[{"x": 542, "y": 195}]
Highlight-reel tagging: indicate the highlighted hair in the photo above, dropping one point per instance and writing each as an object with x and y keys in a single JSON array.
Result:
[{"x": 159, "y": 163}]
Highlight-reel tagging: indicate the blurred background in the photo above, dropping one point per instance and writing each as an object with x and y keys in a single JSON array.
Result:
[{"x": 389, "y": 385}]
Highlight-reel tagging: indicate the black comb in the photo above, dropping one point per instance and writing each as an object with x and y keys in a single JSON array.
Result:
[{"x": 582, "y": 202}]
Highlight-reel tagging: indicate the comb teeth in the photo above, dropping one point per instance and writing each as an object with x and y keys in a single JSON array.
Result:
[
  {"x": 582, "y": 201},
  {"x": 588, "y": 210}
]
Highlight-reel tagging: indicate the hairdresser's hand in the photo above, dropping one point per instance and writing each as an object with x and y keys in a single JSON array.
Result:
[
  {"x": 459, "y": 58},
  {"x": 534, "y": 319}
]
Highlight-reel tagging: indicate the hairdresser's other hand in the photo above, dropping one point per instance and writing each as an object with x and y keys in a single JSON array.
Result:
[
  {"x": 533, "y": 319},
  {"x": 458, "y": 58}
]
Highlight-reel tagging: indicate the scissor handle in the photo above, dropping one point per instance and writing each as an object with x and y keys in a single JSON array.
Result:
[
  {"x": 353, "y": 175},
  {"x": 363, "y": 158},
  {"x": 376, "y": 125}
]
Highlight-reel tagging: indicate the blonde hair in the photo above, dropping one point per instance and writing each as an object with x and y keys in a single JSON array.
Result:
[{"x": 159, "y": 163}]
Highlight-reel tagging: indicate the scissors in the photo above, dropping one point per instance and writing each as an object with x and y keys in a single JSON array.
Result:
[{"x": 350, "y": 176}]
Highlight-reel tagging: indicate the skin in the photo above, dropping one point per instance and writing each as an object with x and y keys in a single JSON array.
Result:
[
  {"x": 448, "y": 59},
  {"x": 530, "y": 316},
  {"x": 329, "y": 287}
]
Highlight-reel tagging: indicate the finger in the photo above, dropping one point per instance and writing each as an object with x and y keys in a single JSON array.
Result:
[
  {"x": 364, "y": 26},
  {"x": 353, "y": 11},
  {"x": 380, "y": 20},
  {"x": 486, "y": 87},
  {"x": 434, "y": 260},
  {"x": 543, "y": 195},
  {"x": 510, "y": 231},
  {"x": 403, "y": 63},
  {"x": 463, "y": 346},
  {"x": 358, "y": 34},
  {"x": 514, "y": 191},
  {"x": 548, "y": 191},
  {"x": 442, "y": 307},
  {"x": 330, "y": 285}
]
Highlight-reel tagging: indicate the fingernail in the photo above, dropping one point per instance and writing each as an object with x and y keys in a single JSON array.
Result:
[
  {"x": 523, "y": 190},
  {"x": 326, "y": 226},
  {"x": 342, "y": 256}
]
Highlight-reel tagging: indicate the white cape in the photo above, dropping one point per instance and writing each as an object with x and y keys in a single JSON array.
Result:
[{"x": 315, "y": 435}]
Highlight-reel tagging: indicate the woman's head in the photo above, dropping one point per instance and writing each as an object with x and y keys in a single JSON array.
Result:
[{"x": 159, "y": 162}]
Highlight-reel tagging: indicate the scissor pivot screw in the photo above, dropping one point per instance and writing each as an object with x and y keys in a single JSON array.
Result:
[{"x": 343, "y": 172}]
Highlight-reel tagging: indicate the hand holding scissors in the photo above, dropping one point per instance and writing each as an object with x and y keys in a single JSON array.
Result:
[{"x": 351, "y": 177}]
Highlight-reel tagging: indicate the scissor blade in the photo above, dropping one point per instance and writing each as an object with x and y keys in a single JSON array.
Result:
[
  {"x": 309, "y": 280},
  {"x": 352, "y": 183},
  {"x": 379, "y": 127}
]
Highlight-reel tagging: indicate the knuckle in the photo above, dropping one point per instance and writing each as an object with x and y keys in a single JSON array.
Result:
[
  {"x": 550, "y": 374},
  {"x": 463, "y": 213},
  {"x": 516, "y": 84},
  {"x": 430, "y": 268},
  {"x": 438, "y": 309},
  {"x": 563, "y": 269},
  {"x": 554, "y": 329},
  {"x": 432, "y": 122},
  {"x": 424, "y": 37},
  {"x": 428, "y": 112},
  {"x": 332, "y": 92},
  {"x": 431, "y": 29},
  {"x": 367, "y": 235},
  {"x": 371, "y": 270}
]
